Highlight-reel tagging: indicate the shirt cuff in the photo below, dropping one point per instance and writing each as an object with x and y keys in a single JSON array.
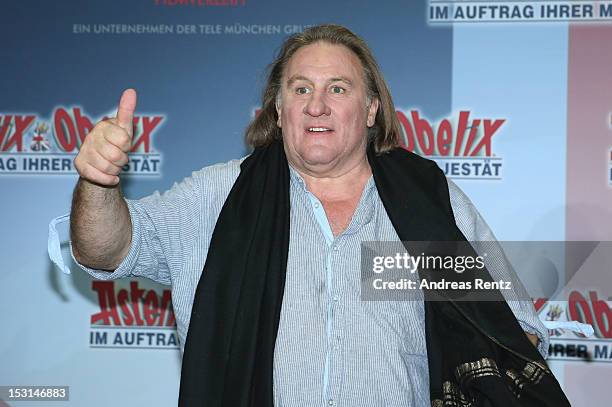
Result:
[{"x": 129, "y": 262}]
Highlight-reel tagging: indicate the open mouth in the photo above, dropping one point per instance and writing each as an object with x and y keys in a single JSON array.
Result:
[{"x": 319, "y": 130}]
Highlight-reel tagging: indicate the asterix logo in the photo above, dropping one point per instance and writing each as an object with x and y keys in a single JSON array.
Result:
[
  {"x": 30, "y": 144},
  {"x": 462, "y": 148},
  {"x": 132, "y": 318}
]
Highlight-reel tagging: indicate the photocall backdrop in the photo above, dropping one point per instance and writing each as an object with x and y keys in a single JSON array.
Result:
[{"x": 522, "y": 93}]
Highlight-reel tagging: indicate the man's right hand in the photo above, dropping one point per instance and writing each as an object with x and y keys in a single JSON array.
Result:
[{"x": 105, "y": 149}]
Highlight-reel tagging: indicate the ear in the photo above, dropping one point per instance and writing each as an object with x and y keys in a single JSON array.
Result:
[{"x": 372, "y": 110}]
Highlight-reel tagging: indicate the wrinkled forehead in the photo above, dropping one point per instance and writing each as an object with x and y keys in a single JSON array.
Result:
[{"x": 322, "y": 61}]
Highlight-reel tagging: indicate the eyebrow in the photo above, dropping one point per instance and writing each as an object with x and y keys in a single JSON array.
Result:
[{"x": 296, "y": 78}]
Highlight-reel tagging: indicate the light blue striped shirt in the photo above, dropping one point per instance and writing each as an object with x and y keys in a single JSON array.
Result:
[{"x": 332, "y": 349}]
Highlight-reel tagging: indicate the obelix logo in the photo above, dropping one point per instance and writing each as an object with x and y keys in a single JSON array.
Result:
[{"x": 462, "y": 146}]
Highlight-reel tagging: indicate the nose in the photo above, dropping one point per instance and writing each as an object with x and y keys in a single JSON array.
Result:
[{"x": 317, "y": 105}]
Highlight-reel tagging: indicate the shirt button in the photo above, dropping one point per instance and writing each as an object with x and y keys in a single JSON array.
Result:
[
  {"x": 331, "y": 402},
  {"x": 336, "y": 298},
  {"x": 336, "y": 248},
  {"x": 316, "y": 205}
]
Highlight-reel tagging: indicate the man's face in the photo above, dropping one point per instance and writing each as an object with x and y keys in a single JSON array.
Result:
[{"x": 323, "y": 110}]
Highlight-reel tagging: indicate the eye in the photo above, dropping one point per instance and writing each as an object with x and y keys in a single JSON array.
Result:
[
  {"x": 338, "y": 90},
  {"x": 302, "y": 90}
]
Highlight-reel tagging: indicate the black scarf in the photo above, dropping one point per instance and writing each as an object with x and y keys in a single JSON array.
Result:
[{"x": 478, "y": 354}]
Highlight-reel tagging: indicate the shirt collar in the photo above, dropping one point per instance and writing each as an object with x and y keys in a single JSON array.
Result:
[{"x": 365, "y": 208}]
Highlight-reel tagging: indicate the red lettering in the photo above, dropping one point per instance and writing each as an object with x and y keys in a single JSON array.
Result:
[
  {"x": 6, "y": 125},
  {"x": 124, "y": 300},
  {"x": 108, "y": 306},
  {"x": 540, "y": 303},
  {"x": 129, "y": 303},
  {"x": 603, "y": 316},
  {"x": 444, "y": 142},
  {"x": 461, "y": 128},
  {"x": 83, "y": 124},
  {"x": 439, "y": 141},
  {"x": 70, "y": 130},
  {"x": 407, "y": 140},
  {"x": 489, "y": 131},
  {"x": 579, "y": 308},
  {"x": 151, "y": 308},
  {"x": 136, "y": 295},
  {"x": 471, "y": 136},
  {"x": 148, "y": 125},
  {"x": 166, "y": 304},
  {"x": 423, "y": 130},
  {"x": 63, "y": 124},
  {"x": 16, "y": 139}
]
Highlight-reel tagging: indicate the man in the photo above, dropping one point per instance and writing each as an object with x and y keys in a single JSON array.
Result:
[{"x": 246, "y": 237}]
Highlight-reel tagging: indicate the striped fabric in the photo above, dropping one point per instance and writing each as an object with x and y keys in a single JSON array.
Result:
[{"x": 332, "y": 348}]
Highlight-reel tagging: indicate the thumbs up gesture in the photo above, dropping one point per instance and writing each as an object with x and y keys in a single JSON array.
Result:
[{"x": 105, "y": 149}]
